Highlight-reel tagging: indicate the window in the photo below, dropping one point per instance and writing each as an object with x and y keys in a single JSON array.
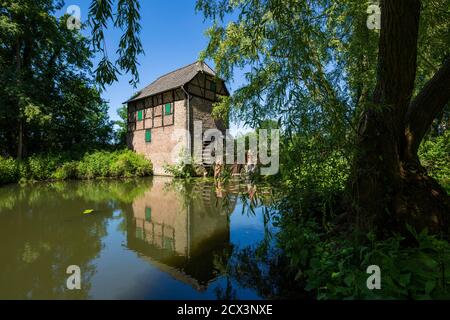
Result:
[
  {"x": 140, "y": 115},
  {"x": 168, "y": 109},
  {"x": 148, "y": 135},
  {"x": 212, "y": 86},
  {"x": 148, "y": 214}
]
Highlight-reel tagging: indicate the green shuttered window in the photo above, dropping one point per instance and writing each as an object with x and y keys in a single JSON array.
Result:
[
  {"x": 168, "y": 109},
  {"x": 148, "y": 135},
  {"x": 139, "y": 115}
]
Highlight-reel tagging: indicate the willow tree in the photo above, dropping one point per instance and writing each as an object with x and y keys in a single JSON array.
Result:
[{"x": 318, "y": 66}]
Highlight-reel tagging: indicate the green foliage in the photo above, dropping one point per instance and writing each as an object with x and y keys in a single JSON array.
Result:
[
  {"x": 96, "y": 164},
  {"x": 121, "y": 133},
  {"x": 312, "y": 68},
  {"x": 46, "y": 84},
  {"x": 113, "y": 164},
  {"x": 100, "y": 164},
  {"x": 66, "y": 171},
  {"x": 335, "y": 267},
  {"x": 186, "y": 167},
  {"x": 130, "y": 164},
  {"x": 126, "y": 18},
  {"x": 181, "y": 170},
  {"x": 40, "y": 167},
  {"x": 312, "y": 164},
  {"x": 9, "y": 170},
  {"x": 434, "y": 154}
]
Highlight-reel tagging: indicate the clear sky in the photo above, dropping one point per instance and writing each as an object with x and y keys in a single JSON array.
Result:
[{"x": 172, "y": 35}]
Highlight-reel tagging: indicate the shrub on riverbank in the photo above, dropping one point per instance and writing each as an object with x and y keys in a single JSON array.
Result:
[
  {"x": 330, "y": 265},
  {"x": 100, "y": 164},
  {"x": 435, "y": 156},
  {"x": 9, "y": 170},
  {"x": 326, "y": 254}
]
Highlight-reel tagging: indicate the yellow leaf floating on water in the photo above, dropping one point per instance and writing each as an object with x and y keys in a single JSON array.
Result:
[{"x": 88, "y": 211}]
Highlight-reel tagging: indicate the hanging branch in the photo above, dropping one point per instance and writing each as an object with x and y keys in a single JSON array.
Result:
[{"x": 130, "y": 46}]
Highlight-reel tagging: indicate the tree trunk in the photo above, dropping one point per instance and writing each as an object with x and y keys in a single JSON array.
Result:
[
  {"x": 389, "y": 187},
  {"x": 20, "y": 140},
  {"x": 19, "y": 111}
]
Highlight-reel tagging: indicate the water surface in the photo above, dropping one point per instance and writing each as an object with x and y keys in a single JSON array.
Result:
[{"x": 153, "y": 238}]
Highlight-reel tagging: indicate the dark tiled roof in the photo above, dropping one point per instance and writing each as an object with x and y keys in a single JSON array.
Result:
[{"x": 174, "y": 79}]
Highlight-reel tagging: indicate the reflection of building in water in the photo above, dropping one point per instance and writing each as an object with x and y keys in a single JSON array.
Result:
[{"x": 181, "y": 232}]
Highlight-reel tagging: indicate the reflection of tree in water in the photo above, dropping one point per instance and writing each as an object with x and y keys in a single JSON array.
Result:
[
  {"x": 259, "y": 267},
  {"x": 43, "y": 232},
  {"x": 221, "y": 266}
]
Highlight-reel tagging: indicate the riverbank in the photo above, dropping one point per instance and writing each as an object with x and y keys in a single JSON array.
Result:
[{"x": 98, "y": 164}]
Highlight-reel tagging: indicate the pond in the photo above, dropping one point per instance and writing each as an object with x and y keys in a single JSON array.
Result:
[{"x": 153, "y": 238}]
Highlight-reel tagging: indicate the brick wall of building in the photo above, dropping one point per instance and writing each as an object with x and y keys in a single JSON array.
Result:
[
  {"x": 202, "y": 109},
  {"x": 167, "y": 141}
]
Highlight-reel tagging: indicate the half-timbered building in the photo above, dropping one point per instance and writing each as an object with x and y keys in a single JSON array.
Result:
[{"x": 173, "y": 101}]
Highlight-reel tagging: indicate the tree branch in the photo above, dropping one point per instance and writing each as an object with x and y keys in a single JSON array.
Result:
[{"x": 426, "y": 106}]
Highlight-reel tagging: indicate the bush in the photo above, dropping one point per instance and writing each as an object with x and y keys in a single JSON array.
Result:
[
  {"x": 435, "y": 156},
  {"x": 117, "y": 164},
  {"x": 180, "y": 170},
  {"x": 185, "y": 167},
  {"x": 67, "y": 171},
  {"x": 130, "y": 164},
  {"x": 9, "y": 170},
  {"x": 100, "y": 164},
  {"x": 335, "y": 267},
  {"x": 95, "y": 165},
  {"x": 40, "y": 167}
]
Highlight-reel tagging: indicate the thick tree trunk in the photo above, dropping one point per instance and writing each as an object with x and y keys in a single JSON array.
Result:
[{"x": 389, "y": 187}]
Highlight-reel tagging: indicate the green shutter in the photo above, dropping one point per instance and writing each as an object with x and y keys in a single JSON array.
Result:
[
  {"x": 213, "y": 86},
  {"x": 168, "y": 243},
  {"x": 139, "y": 233},
  {"x": 168, "y": 109},
  {"x": 148, "y": 135},
  {"x": 140, "y": 115},
  {"x": 148, "y": 214}
]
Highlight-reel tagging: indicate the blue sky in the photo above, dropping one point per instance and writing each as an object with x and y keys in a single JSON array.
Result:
[{"x": 172, "y": 35}]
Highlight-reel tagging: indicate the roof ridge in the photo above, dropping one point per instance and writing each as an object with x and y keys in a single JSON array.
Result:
[
  {"x": 174, "y": 78},
  {"x": 140, "y": 91}
]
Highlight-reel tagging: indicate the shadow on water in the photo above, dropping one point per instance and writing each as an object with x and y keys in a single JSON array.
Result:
[{"x": 147, "y": 238}]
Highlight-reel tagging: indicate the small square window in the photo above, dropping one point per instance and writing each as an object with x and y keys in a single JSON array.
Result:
[
  {"x": 139, "y": 115},
  {"x": 148, "y": 135},
  {"x": 168, "y": 109}
]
